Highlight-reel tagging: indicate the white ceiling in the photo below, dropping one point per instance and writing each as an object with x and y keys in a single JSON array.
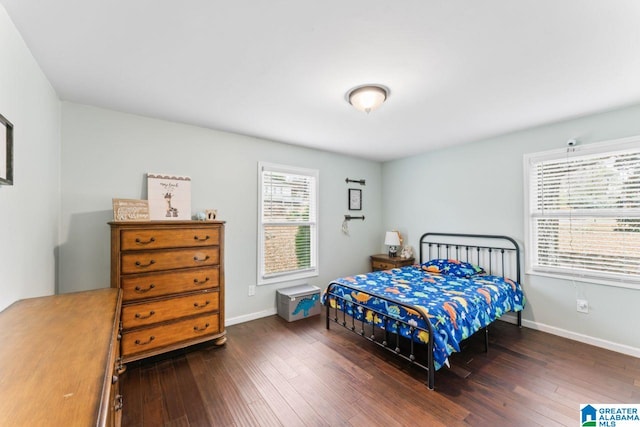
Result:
[{"x": 458, "y": 70}]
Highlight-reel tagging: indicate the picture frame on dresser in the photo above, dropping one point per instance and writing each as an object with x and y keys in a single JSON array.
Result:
[
  {"x": 169, "y": 197},
  {"x": 6, "y": 151}
]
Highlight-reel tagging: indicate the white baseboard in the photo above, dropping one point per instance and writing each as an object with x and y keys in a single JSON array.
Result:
[
  {"x": 249, "y": 317},
  {"x": 586, "y": 339}
]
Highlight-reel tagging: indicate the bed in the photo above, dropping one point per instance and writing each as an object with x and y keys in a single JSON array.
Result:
[{"x": 462, "y": 283}]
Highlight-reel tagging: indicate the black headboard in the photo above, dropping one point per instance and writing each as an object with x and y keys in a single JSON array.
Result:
[{"x": 498, "y": 255}]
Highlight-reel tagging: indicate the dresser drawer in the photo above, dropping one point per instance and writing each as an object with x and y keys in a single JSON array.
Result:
[
  {"x": 143, "y": 261},
  {"x": 147, "y": 313},
  {"x": 173, "y": 238},
  {"x": 160, "y": 284},
  {"x": 143, "y": 340}
]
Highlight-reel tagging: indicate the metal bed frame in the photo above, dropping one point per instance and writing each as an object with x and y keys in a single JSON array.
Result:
[{"x": 498, "y": 255}]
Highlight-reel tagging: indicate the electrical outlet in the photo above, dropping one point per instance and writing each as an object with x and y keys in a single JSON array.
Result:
[
  {"x": 252, "y": 290},
  {"x": 582, "y": 306}
]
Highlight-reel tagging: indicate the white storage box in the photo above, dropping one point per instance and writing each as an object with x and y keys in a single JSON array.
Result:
[{"x": 298, "y": 302}]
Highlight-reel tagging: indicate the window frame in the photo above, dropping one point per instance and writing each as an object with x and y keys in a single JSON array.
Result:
[
  {"x": 529, "y": 160},
  {"x": 313, "y": 270}
]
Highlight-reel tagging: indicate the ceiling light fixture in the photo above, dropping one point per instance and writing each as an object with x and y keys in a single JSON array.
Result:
[{"x": 367, "y": 98}]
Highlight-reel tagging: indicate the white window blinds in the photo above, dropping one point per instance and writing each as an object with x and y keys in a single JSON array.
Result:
[
  {"x": 288, "y": 224},
  {"x": 584, "y": 209}
]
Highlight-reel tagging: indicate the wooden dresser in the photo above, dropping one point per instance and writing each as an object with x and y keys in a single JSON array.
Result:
[
  {"x": 172, "y": 277},
  {"x": 385, "y": 262},
  {"x": 59, "y": 360}
]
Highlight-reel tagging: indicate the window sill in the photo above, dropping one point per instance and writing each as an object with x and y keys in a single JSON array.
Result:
[
  {"x": 287, "y": 277},
  {"x": 586, "y": 279}
]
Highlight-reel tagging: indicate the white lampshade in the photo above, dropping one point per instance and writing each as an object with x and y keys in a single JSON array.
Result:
[
  {"x": 392, "y": 239},
  {"x": 367, "y": 98}
]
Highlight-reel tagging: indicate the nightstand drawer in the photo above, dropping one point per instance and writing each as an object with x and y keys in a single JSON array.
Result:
[
  {"x": 379, "y": 265},
  {"x": 385, "y": 262},
  {"x": 175, "y": 238},
  {"x": 136, "y": 315},
  {"x": 140, "y": 262},
  {"x": 143, "y": 340},
  {"x": 161, "y": 284}
]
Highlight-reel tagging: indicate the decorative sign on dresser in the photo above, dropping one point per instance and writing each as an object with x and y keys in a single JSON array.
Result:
[{"x": 172, "y": 277}]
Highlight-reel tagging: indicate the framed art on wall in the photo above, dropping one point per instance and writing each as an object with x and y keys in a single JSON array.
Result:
[
  {"x": 6, "y": 151},
  {"x": 355, "y": 199}
]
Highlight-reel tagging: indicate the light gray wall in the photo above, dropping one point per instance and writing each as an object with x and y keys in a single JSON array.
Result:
[
  {"x": 478, "y": 188},
  {"x": 30, "y": 209},
  {"x": 106, "y": 154}
]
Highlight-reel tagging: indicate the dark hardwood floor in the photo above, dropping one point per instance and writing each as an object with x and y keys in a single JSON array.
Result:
[{"x": 273, "y": 373}]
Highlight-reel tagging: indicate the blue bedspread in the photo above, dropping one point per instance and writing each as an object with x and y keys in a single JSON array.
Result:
[{"x": 456, "y": 307}]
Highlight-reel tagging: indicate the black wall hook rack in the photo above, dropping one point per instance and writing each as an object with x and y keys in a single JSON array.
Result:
[
  {"x": 358, "y": 181},
  {"x": 349, "y": 217}
]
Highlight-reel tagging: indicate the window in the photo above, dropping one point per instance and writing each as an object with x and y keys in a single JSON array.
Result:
[
  {"x": 288, "y": 230},
  {"x": 583, "y": 210}
]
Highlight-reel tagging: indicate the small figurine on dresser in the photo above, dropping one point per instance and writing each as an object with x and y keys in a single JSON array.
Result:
[{"x": 407, "y": 252}]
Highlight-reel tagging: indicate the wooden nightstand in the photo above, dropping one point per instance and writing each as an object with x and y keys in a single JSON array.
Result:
[{"x": 385, "y": 262}]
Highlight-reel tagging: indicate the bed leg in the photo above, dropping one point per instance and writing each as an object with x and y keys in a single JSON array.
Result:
[
  {"x": 327, "y": 315},
  {"x": 486, "y": 339},
  {"x": 520, "y": 319},
  {"x": 431, "y": 365}
]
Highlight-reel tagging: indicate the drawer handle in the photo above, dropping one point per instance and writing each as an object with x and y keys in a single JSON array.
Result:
[
  {"x": 140, "y": 290},
  {"x": 140, "y": 316},
  {"x": 195, "y": 328},
  {"x": 199, "y": 239},
  {"x": 118, "y": 405},
  {"x": 206, "y": 303},
  {"x": 195, "y": 258},
  {"x": 140, "y": 242},
  {"x": 139, "y": 264},
  {"x": 151, "y": 338},
  {"x": 120, "y": 367},
  {"x": 201, "y": 282}
]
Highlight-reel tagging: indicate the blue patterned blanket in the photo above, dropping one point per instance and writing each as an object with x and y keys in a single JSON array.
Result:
[{"x": 456, "y": 306}]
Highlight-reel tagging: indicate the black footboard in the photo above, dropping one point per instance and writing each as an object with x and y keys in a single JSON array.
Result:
[{"x": 358, "y": 326}]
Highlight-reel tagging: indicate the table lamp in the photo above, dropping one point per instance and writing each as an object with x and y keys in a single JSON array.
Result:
[{"x": 392, "y": 239}]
